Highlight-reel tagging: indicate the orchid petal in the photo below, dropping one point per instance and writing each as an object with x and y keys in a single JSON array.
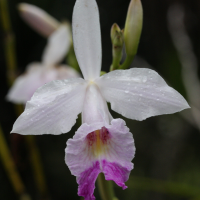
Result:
[
  {"x": 65, "y": 71},
  {"x": 140, "y": 93},
  {"x": 99, "y": 148},
  {"x": 26, "y": 84},
  {"x": 57, "y": 46},
  {"x": 37, "y": 18},
  {"x": 87, "y": 37},
  {"x": 53, "y": 109},
  {"x": 95, "y": 108}
]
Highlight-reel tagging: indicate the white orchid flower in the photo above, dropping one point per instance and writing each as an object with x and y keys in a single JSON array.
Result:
[
  {"x": 101, "y": 144},
  {"x": 37, "y": 74}
]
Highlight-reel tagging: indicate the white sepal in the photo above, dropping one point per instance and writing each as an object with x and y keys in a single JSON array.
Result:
[
  {"x": 57, "y": 46},
  {"x": 38, "y": 19},
  {"x": 53, "y": 109},
  {"x": 140, "y": 93},
  {"x": 87, "y": 37}
]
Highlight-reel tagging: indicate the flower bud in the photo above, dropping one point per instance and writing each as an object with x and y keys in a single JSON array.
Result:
[
  {"x": 114, "y": 30},
  {"x": 117, "y": 39},
  {"x": 38, "y": 19},
  {"x": 133, "y": 27}
]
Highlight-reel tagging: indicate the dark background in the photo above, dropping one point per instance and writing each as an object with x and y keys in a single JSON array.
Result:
[{"x": 167, "y": 147}]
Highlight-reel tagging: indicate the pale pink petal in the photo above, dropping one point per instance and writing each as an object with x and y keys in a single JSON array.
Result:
[
  {"x": 100, "y": 147},
  {"x": 65, "y": 71},
  {"x": 26, "y": 84},
  {"x": 57, "y": 46},
  {"x": 53, "y": 109},
  {"x": 38, "y": 19},
  {"x": 140, "y": 93},
  {"x": 87, "y": 37}
]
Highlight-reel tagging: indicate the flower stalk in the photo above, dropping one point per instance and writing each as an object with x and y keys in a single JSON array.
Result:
[
  {"x": 36, "y": 165},
  {"x": 35, "y": 159},
  {"x": 105, "y": 188},
  {"x": 10, "y": 168},
  {"x": 9, "y": 41}
]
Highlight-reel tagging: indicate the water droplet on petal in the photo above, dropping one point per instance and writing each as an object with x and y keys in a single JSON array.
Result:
[{"x": 144, "y": 79}]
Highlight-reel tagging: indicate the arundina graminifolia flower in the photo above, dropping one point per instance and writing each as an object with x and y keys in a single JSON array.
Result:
[
  {"x": 101, "y": 144},
  {"x": 104, "y": 142},
  {"x": 37, "y": 74}
]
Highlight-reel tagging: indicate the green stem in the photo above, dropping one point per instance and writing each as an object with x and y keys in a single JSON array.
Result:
[
  {"x": 10, "y": 168},
  {"x": 35, "y": 159},
  {"x": 127, "y": 62},
  {"x": 105, "y": 188},
  {"x": 9, "y": 41},
  {"x": 115, "y": 63},
  {"x": 117, "y": 56},
  {"x": 36, "y": 165}
]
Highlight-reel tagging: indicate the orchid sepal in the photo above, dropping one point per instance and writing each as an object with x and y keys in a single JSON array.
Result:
[
  {"x": 139, "y": 93},
  {"x": 38, "y": 19}
]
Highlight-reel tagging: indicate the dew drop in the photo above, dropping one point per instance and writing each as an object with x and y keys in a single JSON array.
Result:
[
  {"x": 126, "y": 91},
  {"x": 144, "y": 79}
]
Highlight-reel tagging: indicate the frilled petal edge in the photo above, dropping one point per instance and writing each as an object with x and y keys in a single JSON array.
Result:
[{"x": 99, "y": 148}]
